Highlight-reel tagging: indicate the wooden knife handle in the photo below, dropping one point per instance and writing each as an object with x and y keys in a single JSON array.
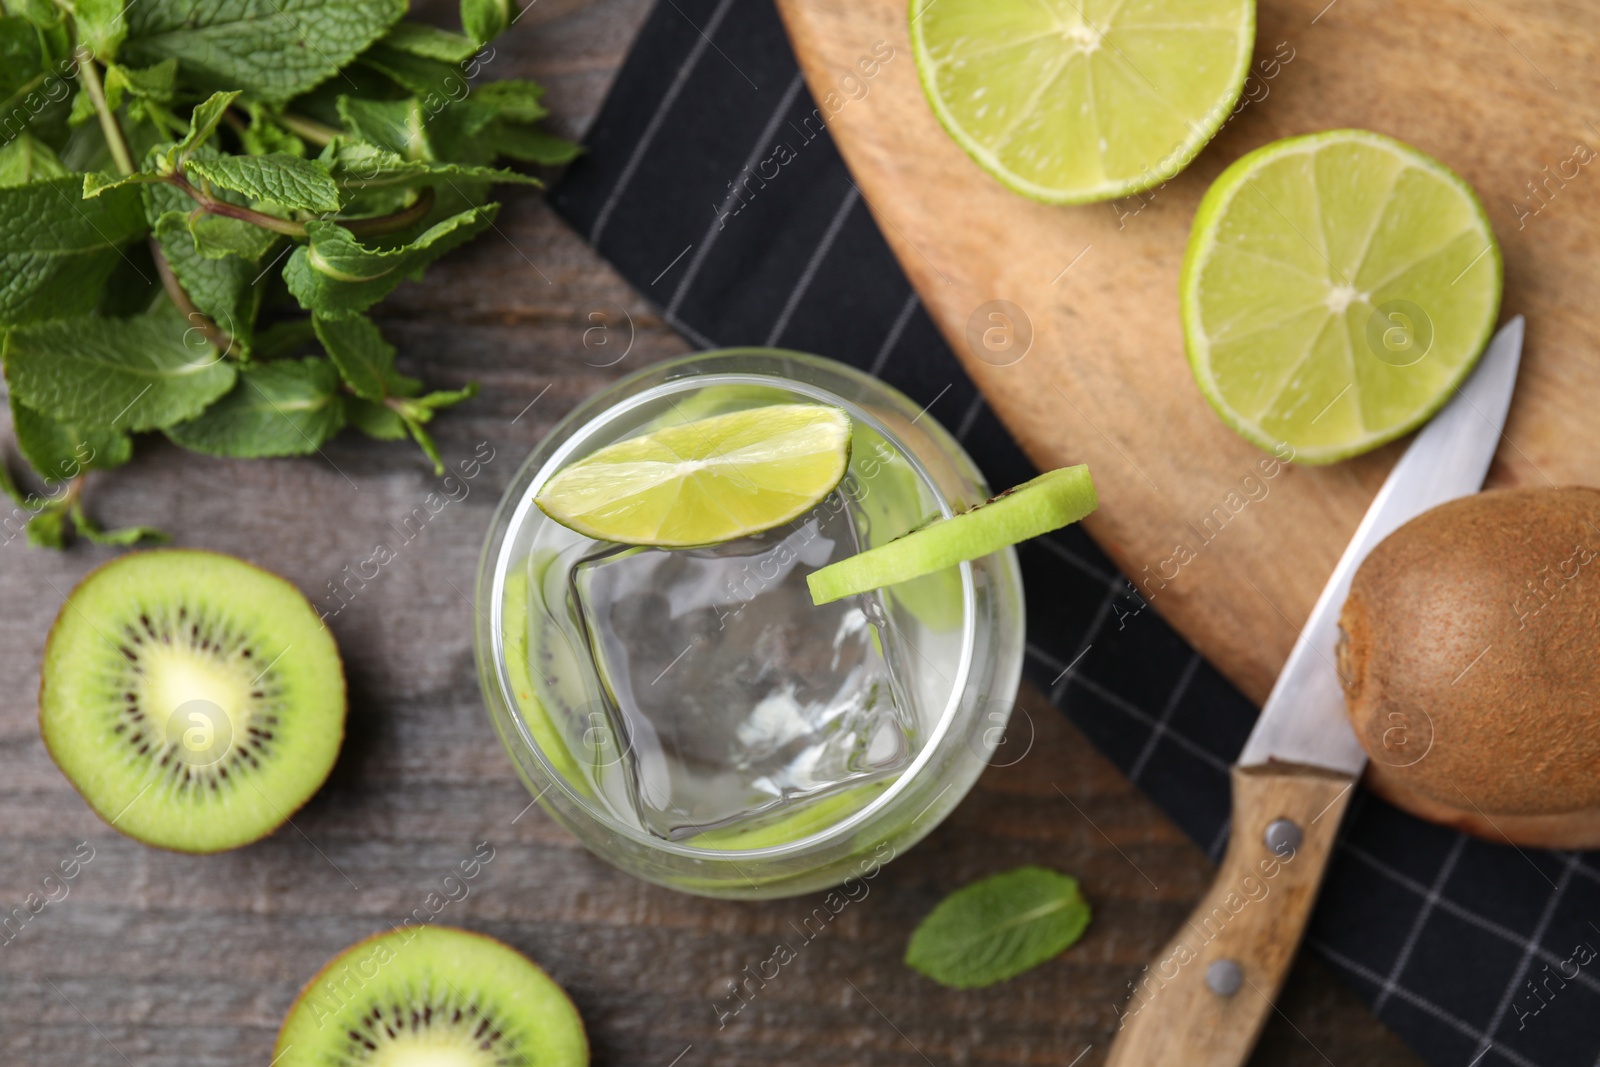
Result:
[{"x": 1244, "y": 932}]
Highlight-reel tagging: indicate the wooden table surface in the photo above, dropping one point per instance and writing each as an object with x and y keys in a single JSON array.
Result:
[{"x": 156, "y": 958}]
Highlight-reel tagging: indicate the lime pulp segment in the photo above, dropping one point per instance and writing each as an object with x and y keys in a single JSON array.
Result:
[
  {"x": 1336, "y": 289},
  {"x": 705, "y": 481},
  {"x": 1071, "y": 101},
  {"x": 1050, "y": 501}
]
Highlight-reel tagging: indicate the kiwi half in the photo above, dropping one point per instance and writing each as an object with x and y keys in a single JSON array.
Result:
[
  {"x": 431, "y": 995},
  {"x": 194, "y": 700}
]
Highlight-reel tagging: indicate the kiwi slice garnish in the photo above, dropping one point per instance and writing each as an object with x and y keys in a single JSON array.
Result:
[
  {"x": 194, "y": 700},
  {"x": 431, "y": 995},
  {"x": 1052, "y": 500}
]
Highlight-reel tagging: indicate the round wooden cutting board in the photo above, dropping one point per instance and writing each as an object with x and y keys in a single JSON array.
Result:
[{"x": 1228, "y": 545}]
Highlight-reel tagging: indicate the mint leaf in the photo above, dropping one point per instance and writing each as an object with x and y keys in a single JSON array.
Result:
[
  {"x": 512, "y": 98},
  {"x": 202, "y": 124},
  {"x": 20, "y": 67},
  {"x": 364, "y": 167},
  {"x": 484, "y": 20},
  {"x": 396, "y": 125},
  {"x": 264, "y": 135},
  {"x": 284, "y": 339},
  {"x": 26, "y": 159},
  {"x": 48, "y": 528},
  {"x": 271, "y": 49},
  {"x": 156, "y": 83},
  {"x": 425, "y": 441},
  {"x": 98, "y": 182},
  {"x": 219, "y": 286},
  {"x": 435, "y": 82},
  {"x": 128, "y": 535},
  {"x": 335, "y": 276},
  {"x": 101, "y": 26},
  {"x": 57, "y": 450},
  {"x": 999, "y": 927},
  {"x": 528, "y": 145},
  {"x": 284, "y": 408},
  {"x": 297, "y": 184},
  {"x": 132, "y": 374},
  {"x": 365, "y": 360},
  {"x": 374, "y": 419},
  {"x": 420, "y": 39},
  {"x": 56, "y": 250},
  {"x": 217, "y": 237}
]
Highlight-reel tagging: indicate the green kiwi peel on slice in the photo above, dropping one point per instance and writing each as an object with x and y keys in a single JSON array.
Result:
[
  {"x": 1052, "y": 500},
  {"x": 194, "y": 700},
  {"x": 431, "y": 995}
]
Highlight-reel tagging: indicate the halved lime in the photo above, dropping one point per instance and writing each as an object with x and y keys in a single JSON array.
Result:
[
  {"x": 1050, "y": 501},
  {"x": 1069, "y": 101},
  {"x": 1336, "y": 290},
  {"x": 705, "y": 481}
]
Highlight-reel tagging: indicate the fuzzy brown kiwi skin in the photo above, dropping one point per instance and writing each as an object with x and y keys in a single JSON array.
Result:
[
  {"x": 1514, "y": 737},
  {"x": 311, "y": 983},
  {"x": 344, "y": 704}
]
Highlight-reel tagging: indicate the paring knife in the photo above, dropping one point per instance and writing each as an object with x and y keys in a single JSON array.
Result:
[{"x": 1203, "y": 1000}]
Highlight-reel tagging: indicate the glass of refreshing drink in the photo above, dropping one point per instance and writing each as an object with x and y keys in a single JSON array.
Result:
[{"x": 673, "y": 695}]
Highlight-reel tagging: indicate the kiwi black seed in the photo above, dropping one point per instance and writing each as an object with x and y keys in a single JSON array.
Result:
[
  {"x": 435, "y": 995},
  {"x": 194, "y": 700}
]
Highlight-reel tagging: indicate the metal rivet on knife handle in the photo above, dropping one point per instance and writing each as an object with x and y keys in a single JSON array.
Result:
[
  {"x": 1224, "y": 977},
  {"x": 1283, "y": 837}
]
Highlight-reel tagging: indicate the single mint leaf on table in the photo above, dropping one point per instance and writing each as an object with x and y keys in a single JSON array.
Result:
[
  {"x": 297, "y": 184},
  {"x": 336, "y": 276},
  {"x": 101, "y": 26},
  {"x": 272, "y": 49},
  {"x": 139, "y": 373},
  {"x": 25, "y": 159},
  {"x": 484, "y": 20},
  {"x": 998, "y": 928},
  {"x": 221, "y": 287},
  {"x": 288, "y": 407},
  {"x": 58, "y": 450},
  {"x": 420, "y": 39},
  {"x": 365, "y": 360},
  {"x": 56, "y": 249}
]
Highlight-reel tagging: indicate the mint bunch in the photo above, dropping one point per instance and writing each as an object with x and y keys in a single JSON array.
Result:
[{"x": 201, "y": 201}]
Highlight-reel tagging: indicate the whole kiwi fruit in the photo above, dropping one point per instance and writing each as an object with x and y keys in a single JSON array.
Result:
[{"x": 1470, "y": 657}]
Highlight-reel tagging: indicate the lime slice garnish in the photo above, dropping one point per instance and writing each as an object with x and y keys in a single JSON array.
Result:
[
  {"x": 1336, "y": 290},
  {"x": 705, "y": 481},
  {"x": 1048, "y": 502},
  {"x": 1069, "y": 101}
]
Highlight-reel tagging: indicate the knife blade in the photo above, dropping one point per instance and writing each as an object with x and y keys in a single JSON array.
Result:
[
  {"x": 1304, "y": 719},
  {"x": 1293, "y": 779}
]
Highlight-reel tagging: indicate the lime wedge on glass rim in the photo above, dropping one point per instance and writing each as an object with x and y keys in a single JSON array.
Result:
[
  {"x": 1071, "y": 101},
  {"x": 1336, "y": 289},
  {"x": 704, "y": 481},
  {"x": 1052, "y": 500}
]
